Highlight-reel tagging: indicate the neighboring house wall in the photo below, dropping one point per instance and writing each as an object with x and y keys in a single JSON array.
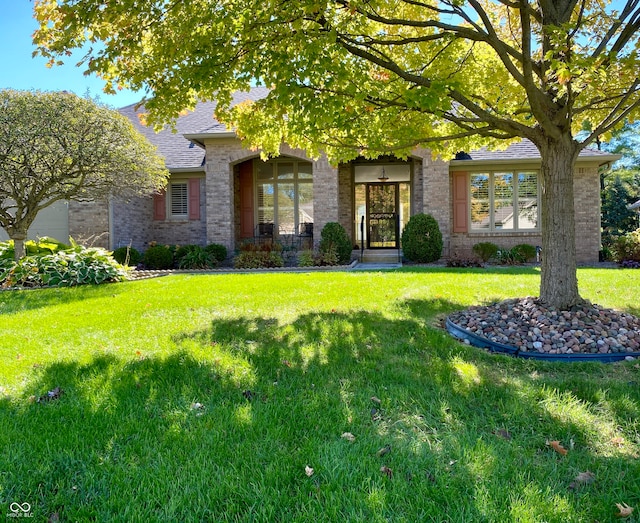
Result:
[{"x": 53, "y": 221}]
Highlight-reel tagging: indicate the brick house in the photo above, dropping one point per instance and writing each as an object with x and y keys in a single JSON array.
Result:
[{"x": 222, "y": 192}]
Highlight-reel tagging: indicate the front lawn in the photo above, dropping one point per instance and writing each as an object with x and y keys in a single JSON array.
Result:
[{"x": 306, "y": 397}]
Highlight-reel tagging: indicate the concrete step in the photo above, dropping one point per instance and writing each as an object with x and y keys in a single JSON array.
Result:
[{"x": 381, "y": 256}]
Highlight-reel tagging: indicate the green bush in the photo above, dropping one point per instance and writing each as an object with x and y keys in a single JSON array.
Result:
[
  {"x": 219, "y": 252},
  {"x": 74, "y": 266},
  {"x": 485, "y": 251},
  {"x": 197, "y": 258},
  {"x": 422, "y": 239},
  {"x": 44, "y": 245},
  {"x": 526, "y": 251},
  {"x": 627, "y": 247},
  {"x": 158, "y": 257},
  {"x": 182, "y": 251},
  {"x": 511, "y": 256},
  {"x": 127, "y": 256},
  {"x": 306, "y": 259},
  {"x": 333, "y": 236},
  {"x": 258, "y": 259}
]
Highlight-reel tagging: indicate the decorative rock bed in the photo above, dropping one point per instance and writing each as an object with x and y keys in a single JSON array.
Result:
[{"x": 525, "y": 327}]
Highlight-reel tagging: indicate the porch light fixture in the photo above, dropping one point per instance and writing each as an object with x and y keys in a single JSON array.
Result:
[{"x": 383, "y": 177}]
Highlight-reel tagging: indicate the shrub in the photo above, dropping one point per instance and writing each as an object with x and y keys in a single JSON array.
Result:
[
  {"x": 6, "y": 250},
  {"x": 181, "y": 252},
  {"x": 306, "y": 259},
  {"x": 197, "y": 258},
  {"x": 627, "y": 247},
  {"x": 258, "y": 259},
  {"x": 485, "y": 251},
  {"x": 158, "y": 257},
  {"x": 511, "y": 256},
  {"x": 463, "y": 262},
  {"x": 333, "y": 236},
  {"x": 219, "y": 252},
  {"x": 127, "y": 256},
  {"x": 74, "y": 266},
  {"x": 527, "y": 252},
  {"x": 422, "y": 239}
]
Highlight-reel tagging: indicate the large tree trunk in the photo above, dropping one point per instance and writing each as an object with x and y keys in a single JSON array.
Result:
[{"x": 559, "y": 281}]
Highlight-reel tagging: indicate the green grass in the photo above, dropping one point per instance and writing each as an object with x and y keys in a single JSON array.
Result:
[{"x": 283, "y": 365}]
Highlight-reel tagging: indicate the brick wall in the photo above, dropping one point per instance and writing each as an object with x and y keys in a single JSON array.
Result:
[
  {"x": 587, "y": 212},
  {"x": 326, "y": 196},
  {"x": 89, "y": 223},
  {"x": 345, "y": 199},
  {"x": 436, "y": 193},
  {"x": 133, "y": 223},
  {"x": 587, "y": 209}
]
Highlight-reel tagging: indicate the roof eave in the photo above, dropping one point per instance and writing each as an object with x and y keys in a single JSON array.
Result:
[
  {"x": 178, "y": 170},
  {"x": 199, "y": 138},
  {"x": 600, "y": 159}
]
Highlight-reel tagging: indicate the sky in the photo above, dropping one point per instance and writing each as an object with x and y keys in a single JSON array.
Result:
[{"x": 19, "y": 70}]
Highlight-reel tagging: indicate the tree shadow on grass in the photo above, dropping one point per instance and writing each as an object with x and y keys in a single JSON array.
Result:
[
  {"x": 223, "y": 429},
  {"x": 12, "y": 301}
]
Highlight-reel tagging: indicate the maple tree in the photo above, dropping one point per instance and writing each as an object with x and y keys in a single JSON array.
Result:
[
  {"x": 58, "y": 146},
  {"x": 367, "y": 77}
]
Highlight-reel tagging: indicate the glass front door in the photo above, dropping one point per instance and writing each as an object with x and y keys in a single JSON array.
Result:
[{"x": 382, "y": 215}]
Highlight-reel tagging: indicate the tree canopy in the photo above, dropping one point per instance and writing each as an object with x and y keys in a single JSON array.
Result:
[
  {"x": 366, "y": 77},
  {"x": 58, "y": 146}
]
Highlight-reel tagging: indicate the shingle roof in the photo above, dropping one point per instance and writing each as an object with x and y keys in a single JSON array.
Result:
[
  {"x": 523, "y": 150},
  {"x": 180, "y": 153}
]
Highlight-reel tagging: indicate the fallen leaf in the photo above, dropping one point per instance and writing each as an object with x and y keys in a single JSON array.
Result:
[
  {"x": 625, "y": 510},
  {"x": 618, "y": 441},
  {"x": 308, "y": 471},
  {"x": 384, "y": 451},
  {"x": 286, "y": 363},
  {"x": 376, "y": 400},
  {"x": 583, "y": 478},
  {"x": 502, "y": 433},
  {"x": 51, "y": 395},
  {"x": 348, "y": 436},
  {"x": 555, "y": 445},
  {"x": 248, "y": 394},
  {"x": 386, "y": 471}
]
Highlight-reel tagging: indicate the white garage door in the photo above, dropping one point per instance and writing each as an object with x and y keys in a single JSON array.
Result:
[{"x": 52, "y": 221}]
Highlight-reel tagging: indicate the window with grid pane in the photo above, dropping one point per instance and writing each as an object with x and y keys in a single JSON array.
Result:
[{"x": 504, "y": 201}]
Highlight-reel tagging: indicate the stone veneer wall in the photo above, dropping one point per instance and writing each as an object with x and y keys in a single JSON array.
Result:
[
  {"x": 89, "y": 223},
  {"x": 587, "y": 212}
]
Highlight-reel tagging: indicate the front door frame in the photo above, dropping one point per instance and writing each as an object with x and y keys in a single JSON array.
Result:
[{"x": 369, "y": 217}]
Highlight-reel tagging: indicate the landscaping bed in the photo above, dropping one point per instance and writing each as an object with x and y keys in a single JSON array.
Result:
[{"x": 527, "y": 325}]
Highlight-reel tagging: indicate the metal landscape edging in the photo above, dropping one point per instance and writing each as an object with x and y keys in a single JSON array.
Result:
[{"x": 484, "y": 343}]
